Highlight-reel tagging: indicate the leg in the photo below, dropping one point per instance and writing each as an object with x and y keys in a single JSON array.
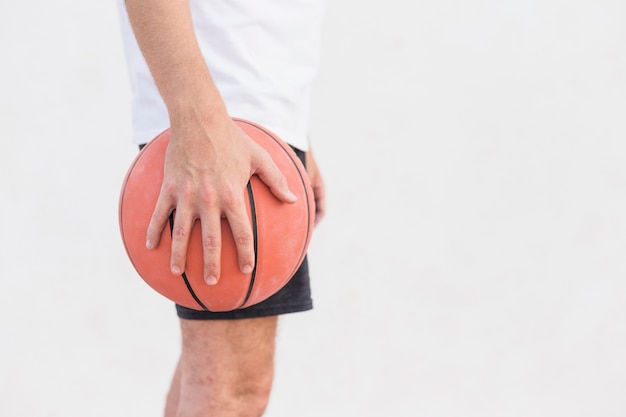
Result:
[
  {"x": 225, "y": 370},
  {"x": 171, "y": 403}
]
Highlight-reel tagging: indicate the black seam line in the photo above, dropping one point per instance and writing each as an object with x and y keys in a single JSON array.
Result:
[
  {"x": 306, "y": 193},
  {"x": 256, "y": 241},
  {"x": 187, "y": 283}
]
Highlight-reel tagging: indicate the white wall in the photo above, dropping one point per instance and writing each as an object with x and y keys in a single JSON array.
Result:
[{"x": 471, "y": 264}]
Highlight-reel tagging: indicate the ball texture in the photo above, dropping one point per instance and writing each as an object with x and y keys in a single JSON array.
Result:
[{"x": 282, "y": 231}]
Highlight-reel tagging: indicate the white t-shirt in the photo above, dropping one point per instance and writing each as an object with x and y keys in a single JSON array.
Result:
[{"x": 262, "y": 54}]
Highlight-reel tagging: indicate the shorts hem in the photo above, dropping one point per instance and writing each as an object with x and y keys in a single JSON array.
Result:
[{"x": 244, "y": 313}]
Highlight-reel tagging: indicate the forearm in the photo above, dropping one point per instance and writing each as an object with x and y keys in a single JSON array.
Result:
[{"x": 165, "y": 34}]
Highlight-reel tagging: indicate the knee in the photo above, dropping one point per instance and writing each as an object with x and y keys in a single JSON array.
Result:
[
  {"x": 227, "y": 367},
  {"x": 250, "y": 394},
  {"x": 238, "y": 394}
]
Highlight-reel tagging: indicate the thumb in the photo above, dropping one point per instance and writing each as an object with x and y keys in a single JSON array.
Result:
[{"x": 269, "y": 173}]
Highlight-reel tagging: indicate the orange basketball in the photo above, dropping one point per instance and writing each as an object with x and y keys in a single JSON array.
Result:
[{"x": 282, "y": 231}]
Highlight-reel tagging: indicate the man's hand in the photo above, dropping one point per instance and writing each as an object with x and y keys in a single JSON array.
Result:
[{"x": 207, "y": 168}]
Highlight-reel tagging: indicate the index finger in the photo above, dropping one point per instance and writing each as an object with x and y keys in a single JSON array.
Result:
[{"x": 160, "y": 215}]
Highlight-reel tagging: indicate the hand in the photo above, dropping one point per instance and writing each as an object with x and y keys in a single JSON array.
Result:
[
  {"x": 206, "y": 172},
  {"x": 319, "y": 190}
]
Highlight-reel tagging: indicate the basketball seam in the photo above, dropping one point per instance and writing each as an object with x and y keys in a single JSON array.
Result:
[
  {"x": 184, "y": 275},
  {"x": 308, "y": 229},
  {"x": 255, "y": 242},
  {"x": 253, "y": 210}
]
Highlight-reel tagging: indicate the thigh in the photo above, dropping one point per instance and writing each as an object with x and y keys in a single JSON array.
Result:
[{"x": 227, "y": 355}]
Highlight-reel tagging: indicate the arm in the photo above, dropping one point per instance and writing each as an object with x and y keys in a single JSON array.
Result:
[{"x": 209, "y": 159}]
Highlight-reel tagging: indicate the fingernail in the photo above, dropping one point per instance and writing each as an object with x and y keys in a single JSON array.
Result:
[
  {"x": 211, "y": 280},
  {"x": 247, "y": 269},
  {"x": 176, "y": 269},
  {"x": 292, "y": 196},
  {"x": 148, "y": 244}
]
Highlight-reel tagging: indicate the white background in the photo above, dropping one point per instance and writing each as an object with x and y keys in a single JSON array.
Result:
[{"x": 472, "y": 261}]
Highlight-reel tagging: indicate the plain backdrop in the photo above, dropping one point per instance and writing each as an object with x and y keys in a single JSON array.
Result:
[{"x": 472, "y": 260}]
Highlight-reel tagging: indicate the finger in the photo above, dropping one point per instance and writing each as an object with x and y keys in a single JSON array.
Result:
[
  {"x": 158, "y": 221},
  {"x": 320, "y": 202},
  {"x": 211, "y": 246},
  {"x": 269, "y": 173},
  {"x": 241, "y": 230},
  {"x": 319, "y": 189},
  {"x": 181, "y": 229}
]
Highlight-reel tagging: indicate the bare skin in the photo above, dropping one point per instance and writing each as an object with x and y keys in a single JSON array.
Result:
[
  {"x": 209, "y": 159},
  {"x": 226, "y": 367},
  {"x": 247, "y": 345},
  {"x": 200, "y": 383},
  {"x": 319, "y": 189}
]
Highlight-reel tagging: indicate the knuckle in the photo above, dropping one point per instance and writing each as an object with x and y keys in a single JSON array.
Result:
[
  {"x": 211, "y": 265},
  {"x": 281, "y": 180},
  {"x": 264, "y": 157},
  {"x": 158, "y": 218},
  {"x": 211, "y": 242},
  {"x": 179, "y": 232},
  {"x": 185, "y": 192},
  {"x": 168, "y": 187},
  {"x": 243, "y": 238},
  {"x": 206, "y": 196},
  {"x": 229, "y": 198},
  {"x": 176, "y": 189}
]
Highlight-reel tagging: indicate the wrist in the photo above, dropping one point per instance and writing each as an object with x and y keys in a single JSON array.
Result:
[{"x": 197, "y": 110}]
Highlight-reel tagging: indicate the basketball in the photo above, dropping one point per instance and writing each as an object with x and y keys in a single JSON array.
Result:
[{"x": 281, "y": 231}]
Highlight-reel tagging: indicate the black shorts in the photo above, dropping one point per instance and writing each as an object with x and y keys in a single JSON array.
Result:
[{"x": 295, "y": 296}]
